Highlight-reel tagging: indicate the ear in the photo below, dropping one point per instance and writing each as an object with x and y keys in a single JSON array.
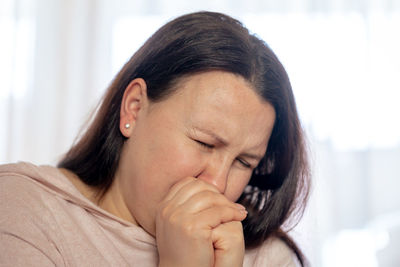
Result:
[{"x": 133, "y": 102}]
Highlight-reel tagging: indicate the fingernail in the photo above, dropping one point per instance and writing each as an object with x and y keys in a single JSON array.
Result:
[
  {"x": 244, "y": 213},
  {"x": 240, "y": 207}
]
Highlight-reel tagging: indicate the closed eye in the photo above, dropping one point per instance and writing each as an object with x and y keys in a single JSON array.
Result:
[
  {"x": 204, "y": 144},
  {"x": 244, "y": 163}
]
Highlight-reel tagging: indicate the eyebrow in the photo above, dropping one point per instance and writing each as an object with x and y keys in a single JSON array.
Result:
[
  {"x": 212, "y": 134},
  {"x": 224, "y": 142},
  {"x": 257, "y": 157}
]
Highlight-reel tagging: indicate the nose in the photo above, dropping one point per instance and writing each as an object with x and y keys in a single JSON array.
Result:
[{"x": 216, "y": 172}]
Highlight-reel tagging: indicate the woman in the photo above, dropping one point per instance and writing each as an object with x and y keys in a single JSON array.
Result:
[{"x": 200, "y": 119}]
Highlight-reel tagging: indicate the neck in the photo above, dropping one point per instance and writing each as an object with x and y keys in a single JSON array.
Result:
[{"x": 112, "y": 201}]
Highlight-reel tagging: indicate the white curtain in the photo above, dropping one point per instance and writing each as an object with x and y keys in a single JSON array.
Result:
[{"x": 343, "y": 57}]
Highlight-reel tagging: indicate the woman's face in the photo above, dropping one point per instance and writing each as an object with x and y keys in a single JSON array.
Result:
[{"x": 214, "y": 127}]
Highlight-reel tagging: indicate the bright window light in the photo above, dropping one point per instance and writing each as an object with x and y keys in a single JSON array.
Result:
[
  {"x": 16, "y": 50},
  {"x": 344, "y": 72}
]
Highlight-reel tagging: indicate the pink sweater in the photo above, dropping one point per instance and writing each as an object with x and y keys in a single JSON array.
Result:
[{"x": 46, "y": 221}]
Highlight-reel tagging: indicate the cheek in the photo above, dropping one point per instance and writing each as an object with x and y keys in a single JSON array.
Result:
[
  {"x": 172, "y": 160},
  {"x": 182, "y": 161},
  {"x": 236, "y": 187}
]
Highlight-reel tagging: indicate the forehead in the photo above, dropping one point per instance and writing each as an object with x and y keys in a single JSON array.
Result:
[
  {"x": 213, "y": 84},
  {"x": 226, "y": 103}
]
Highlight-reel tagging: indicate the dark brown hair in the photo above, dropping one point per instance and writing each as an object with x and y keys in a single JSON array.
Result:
[{"x": 195, "y": 43}]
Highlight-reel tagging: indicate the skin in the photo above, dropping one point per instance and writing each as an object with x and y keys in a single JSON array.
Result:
[{"x": 187, "y": 159}]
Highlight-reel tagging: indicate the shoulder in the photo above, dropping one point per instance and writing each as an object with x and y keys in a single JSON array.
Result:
[
  {"x": 273, "y": 252},
  {"x": 28, "y": 194},
  {"x": 19, "y": 188},
  {"x": 26, "y": 220},
  {"x": 23, "y": 200}
]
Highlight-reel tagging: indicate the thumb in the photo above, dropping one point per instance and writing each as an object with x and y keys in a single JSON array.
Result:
[{"x": 228, "y": 242}]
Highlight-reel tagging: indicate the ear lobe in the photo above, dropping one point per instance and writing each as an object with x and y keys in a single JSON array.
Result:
[{"x": 133, "y": 102}]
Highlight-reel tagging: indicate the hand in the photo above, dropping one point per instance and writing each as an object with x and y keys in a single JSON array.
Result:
[
  {"x": 228, "y": 243},
  {"x": 192, "y": 219}
]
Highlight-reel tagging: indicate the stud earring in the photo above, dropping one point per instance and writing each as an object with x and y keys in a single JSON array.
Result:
[{"x": 127, "y": 125}]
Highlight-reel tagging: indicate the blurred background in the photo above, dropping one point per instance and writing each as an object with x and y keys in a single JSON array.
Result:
[{"x": 343, "y": 57}]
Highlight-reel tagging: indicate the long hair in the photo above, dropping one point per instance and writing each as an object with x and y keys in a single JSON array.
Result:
[{"x": 190, "y": 44}]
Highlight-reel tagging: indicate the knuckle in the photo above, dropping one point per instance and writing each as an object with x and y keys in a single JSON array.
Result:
[
  {"x": 167, "y": 213},
  {"x": 214, "y": 197},
  {"x": 162, "y": 211},
  {"x": 189, "y": 228},
  {"x": 231, "y": 212},
  {"x": 189, "y": 178},
  {"x": 173, "y": 218},
  {"x": 207, "y": 194},
  {"x": 206, "y": 185}
]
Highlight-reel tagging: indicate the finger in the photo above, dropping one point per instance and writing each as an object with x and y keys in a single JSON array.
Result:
[
  {"x": 228, "y": 242},
  {"x": 207, "y": 199},
  {"x": 176, "y": 187},
  {"x": 217, "y": 215},
  {"x": 186, "y": 190},
  {"x": 226, "y": 234}
]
